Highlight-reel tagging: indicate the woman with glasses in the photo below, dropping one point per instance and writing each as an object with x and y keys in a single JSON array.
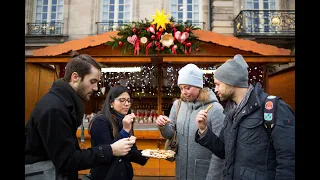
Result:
[{"x": 112, "y": 123}]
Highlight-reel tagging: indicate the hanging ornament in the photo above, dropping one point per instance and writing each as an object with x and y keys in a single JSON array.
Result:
[
  {"x": 134, "y": 30},
  {"x": 167, "y": 40},
  {"x": 120, "y": 43},
  {"x": 181, "y": 37},
  {"x": 143, "y": 40},
  {"x": 160, "y": 19},
  {"x": 151, "y": 29},
  {"x": 132, "y": 39}
]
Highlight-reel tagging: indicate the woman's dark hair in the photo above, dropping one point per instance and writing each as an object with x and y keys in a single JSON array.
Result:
[
  {"x": 106, "y": 110},
  {"x": 81, "y": 64}
]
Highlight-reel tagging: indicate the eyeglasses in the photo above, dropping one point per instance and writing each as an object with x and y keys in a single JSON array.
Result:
[{"x": 123, "y": 100}]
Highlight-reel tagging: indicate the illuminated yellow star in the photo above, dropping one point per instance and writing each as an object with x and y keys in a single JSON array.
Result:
[{"x": 160, "y": 19}]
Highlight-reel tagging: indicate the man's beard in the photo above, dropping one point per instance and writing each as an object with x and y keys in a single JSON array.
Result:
[
  {"x": 226, "y": 97},
  {"x": 80, "y": 91}
]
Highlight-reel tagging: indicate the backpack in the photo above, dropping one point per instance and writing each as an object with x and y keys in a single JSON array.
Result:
[{"x": 269, "y": 113}]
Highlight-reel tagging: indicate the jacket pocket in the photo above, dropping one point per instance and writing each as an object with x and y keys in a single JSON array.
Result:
[
  {"x": 249, "y": 131},
  {"x": 201, "y": 169},
  {"x": 247, "y": 173}
]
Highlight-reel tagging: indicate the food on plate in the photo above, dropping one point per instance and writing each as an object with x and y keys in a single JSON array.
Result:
[{"x": 158, "y": 153}]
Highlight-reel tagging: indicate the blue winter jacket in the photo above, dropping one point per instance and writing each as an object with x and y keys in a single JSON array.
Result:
[{"x": 244, "y": 143}]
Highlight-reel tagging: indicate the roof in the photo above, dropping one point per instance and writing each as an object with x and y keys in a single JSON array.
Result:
[{"x": 205, "y": 36}]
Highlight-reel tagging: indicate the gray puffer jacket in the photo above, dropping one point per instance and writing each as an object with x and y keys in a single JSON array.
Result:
[{"x": 193, "y": 161}]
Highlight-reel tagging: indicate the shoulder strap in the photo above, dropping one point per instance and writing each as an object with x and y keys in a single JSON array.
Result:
[
  {"x": 269, "y": 113},
  {"x": 179, "y": 104}
]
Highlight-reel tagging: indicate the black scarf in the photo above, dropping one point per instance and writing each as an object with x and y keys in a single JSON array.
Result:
[{"x": 72, "y": 100}]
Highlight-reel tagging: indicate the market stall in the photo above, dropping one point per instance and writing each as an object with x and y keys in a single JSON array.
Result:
[{"x": 146, "y": 59}]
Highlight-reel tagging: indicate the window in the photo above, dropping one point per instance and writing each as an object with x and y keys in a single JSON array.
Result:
[
  {"x": 49, "y": 13},
  {"x": 259, "y": 21},
  {"x": 186, "y": 10},
  {"x": 115, "y": 13}
]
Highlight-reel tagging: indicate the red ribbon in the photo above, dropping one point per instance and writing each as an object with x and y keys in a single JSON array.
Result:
[
  {"x": 174, "y": 33},
  {"x": 148, "y": 47},
  {"x": 173, "y": 50},
  {"x": 136, "y": 47}
]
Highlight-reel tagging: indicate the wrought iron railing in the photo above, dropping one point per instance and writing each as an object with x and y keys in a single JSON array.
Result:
[
  {"x": 47, "y": 28},
  {"x": 265, "y": 22},
  {"x": 111, "y": 26}
]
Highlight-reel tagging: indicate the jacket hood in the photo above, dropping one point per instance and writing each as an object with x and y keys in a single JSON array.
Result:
[{"x": 205, "y": 96}]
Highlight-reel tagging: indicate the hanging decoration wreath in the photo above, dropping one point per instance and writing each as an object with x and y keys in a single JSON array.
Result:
[{"x": 162, "y": 36}]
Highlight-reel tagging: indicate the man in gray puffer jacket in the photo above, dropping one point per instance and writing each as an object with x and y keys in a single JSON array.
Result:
[{"x": 193, "y": 161}]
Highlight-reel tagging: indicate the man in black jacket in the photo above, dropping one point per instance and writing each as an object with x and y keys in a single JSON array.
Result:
[
  {"x": 50, "y": 133},
  {"x": 244, "y": 142}
]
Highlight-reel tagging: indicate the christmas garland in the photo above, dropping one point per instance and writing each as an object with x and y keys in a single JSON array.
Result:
[{"x": 161, "y": 36}]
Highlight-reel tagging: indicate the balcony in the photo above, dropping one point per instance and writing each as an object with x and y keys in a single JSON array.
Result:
[
  {"x": 274, "y": 23},
  {"x": 51, "y": 28},
  {"x": 111, "y": 26},
  {"x": 47, "y": 32}
]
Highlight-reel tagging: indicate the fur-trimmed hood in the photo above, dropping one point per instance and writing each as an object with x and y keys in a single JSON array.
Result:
[{"x": 205, "y": 96}]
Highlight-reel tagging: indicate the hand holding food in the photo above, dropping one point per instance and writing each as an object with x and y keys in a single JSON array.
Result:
[
  {"x": 122, "y": 146},
  {"x": 127, "y": 122},
  {"x": 162, "y": 120},
  {"x": 201, "y": 119}
]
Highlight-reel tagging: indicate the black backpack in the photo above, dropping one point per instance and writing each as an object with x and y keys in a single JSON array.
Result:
[{"x": 269, "y": 113}]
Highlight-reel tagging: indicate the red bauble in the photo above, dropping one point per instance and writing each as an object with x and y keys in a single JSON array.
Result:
[
  {"x": 189, "y": 44},
  {"x": 187, "y": 29},
  {"x": 134, "y": 30},
  {"x": 172, "y": 26},
  {"x": 120, "y": 43},
  {"x": 153, "y": 37},
  {"x": 162, "y": 48}
]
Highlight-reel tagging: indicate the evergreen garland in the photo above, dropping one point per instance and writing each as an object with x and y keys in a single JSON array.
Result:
[{"x": 142, "y": 29}]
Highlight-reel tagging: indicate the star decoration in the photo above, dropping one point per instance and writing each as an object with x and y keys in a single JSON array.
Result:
[{"x": 160, "y": 19}]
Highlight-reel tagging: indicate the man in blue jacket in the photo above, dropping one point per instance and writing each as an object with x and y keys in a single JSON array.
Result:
[{"x": 249, "y": 152}]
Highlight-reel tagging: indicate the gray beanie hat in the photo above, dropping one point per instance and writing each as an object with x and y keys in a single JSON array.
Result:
[
  {"x": 190, "y": 74},
  {"x": 233, "y": 72}
]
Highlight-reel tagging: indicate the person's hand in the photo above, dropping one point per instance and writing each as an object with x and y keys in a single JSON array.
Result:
[
  {"x": 162, "y": 120},
  {"x": 201, "y": 119},
  {"x": 127, "y": 122},
  {"x": 122, "y": 146},
  {"x": 133, "y": 138}
]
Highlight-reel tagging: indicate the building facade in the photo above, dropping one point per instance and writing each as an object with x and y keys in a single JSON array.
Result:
[{"x": 50, "y": 22}]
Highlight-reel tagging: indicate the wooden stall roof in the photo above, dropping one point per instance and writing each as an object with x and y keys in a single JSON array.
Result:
[{"x": 205, "y": 36}]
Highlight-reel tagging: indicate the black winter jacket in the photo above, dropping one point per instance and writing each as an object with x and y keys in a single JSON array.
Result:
[
  {"x": 244, "y": 143},
  {"x": 50, "y": 133},
  {"x": 101, "y": 133}
]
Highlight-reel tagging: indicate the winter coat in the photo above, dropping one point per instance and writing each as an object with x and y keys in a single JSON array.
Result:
[
  {"x": 50, "y": 133},
  {"x": 101, "y": 133},
  {"x": 248, "y": 150},
  {"x": 193, "y": 161}
]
